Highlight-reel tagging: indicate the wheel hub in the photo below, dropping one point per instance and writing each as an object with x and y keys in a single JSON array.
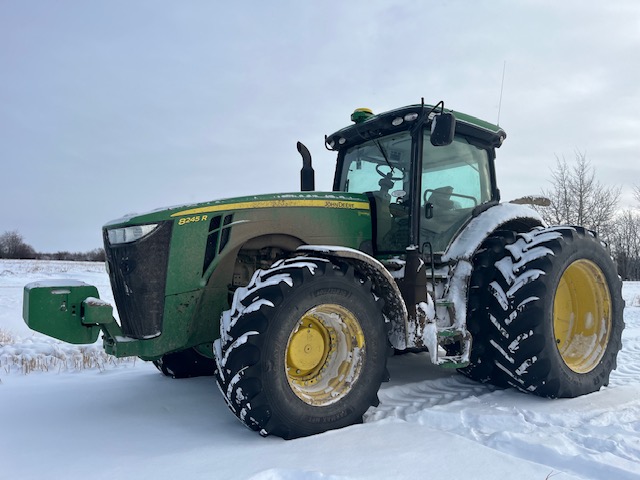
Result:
[
  {"x": 324, "y": 354},
  {"x": 582, "y": 316},
  {"x": 308, "y": 347}
]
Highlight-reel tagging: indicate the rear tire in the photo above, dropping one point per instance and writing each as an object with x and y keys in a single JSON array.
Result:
[
  {"x": 303, "y": 348},
  {"x": 481, "y": 362},
  {"x": 552, "y": 321}
]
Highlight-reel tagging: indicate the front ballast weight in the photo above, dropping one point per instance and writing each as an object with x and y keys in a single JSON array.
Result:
[
  {"x": 72, "y": 311},
  {"x": 67, "y": 310}
]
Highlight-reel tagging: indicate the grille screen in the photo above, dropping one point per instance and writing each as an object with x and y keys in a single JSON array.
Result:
[{"x": 138, "y": 273}]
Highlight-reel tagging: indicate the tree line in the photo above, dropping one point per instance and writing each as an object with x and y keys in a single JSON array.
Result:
[
  {"x": 13, "y": 246},
  {"x": 578, "y": 198}
]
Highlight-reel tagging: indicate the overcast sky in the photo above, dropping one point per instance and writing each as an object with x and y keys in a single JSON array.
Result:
[{"x": 113, "y": 107}]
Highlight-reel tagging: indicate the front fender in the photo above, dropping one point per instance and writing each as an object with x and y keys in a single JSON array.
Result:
[{"x": 394, "y": 307}]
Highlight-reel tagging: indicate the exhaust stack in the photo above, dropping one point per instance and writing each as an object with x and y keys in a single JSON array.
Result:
[{"x": 307, "y": 175}]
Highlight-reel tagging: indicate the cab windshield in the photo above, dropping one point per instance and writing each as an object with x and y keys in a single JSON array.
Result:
[
  {"x": 381, "y": 168},
  {"x": 366, "y": 164},
  {"x": 454, "y": 179}
]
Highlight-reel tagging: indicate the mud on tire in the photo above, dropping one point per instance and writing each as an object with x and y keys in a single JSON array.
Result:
[
  {"x": 303, "y": 348},
  {"x": 545, "y": 312}
]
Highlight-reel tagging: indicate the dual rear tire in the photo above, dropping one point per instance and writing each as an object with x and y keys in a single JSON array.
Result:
[{"x": 545, "y": 312}]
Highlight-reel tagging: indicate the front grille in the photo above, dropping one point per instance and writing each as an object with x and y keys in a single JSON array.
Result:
[{"x": 138, "y": 273}]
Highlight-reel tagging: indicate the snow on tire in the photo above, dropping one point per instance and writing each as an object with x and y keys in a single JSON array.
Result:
[
  {"x": 481, "y": 364},
  {"x": 302, "y": 349},
  {"x": 552, "y": 321}
]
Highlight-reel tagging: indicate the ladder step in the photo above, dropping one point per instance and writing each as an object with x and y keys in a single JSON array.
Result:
[
  {"x": 444, "y": 303},
  {"x": 448, "y": 333},
  {"x": 453, "y": 363}
]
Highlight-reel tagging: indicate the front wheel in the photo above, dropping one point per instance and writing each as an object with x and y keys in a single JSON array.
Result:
[
  {"x": 185, "y": 364},
  {"x": 303, "y": 348}
]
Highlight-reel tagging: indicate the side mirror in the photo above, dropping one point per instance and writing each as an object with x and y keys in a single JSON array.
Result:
[{"x": 443, "y": 128}]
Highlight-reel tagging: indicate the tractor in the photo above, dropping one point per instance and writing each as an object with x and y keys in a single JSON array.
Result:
[{"x": 295, "y": 301}]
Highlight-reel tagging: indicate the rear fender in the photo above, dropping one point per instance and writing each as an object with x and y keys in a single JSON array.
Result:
[
  {"x": 503, "y": 215},
  {"x": 460, "y": 253}
]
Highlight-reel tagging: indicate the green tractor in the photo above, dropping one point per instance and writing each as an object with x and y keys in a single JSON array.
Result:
[{"x": 295, "y": 301}]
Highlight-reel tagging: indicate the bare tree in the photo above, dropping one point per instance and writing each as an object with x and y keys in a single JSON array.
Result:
[
  {"x": 96, "y": 255},
  {"x": 625, "y": 244},
  {"x": 577, "y": 198},
  {"x": 12, "y": 245}
]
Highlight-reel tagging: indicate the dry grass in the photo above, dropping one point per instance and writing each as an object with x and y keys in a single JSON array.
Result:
[
  {"x": 6, "y": 338},
  {"x": 47, "y": 355}
]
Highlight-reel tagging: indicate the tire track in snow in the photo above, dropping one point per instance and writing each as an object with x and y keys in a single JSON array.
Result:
[
  {"x": 404, "y": 400},
  {"x": 628, "y": 370},
  {"x": 596, "y": 436}
]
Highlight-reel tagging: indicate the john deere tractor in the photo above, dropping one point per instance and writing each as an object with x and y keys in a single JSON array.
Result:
[{"x": 295, "y": 301}]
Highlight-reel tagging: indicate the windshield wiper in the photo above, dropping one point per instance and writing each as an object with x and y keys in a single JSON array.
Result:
[{"x": 384, "y": 154}]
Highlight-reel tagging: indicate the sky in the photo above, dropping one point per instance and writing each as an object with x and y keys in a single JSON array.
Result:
[{"x": 116, "y": 107}]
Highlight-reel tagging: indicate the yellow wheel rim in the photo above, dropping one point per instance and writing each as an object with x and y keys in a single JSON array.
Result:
[
  {"x": 324, "y": 354},
  {"x": 582, "y": 316}
]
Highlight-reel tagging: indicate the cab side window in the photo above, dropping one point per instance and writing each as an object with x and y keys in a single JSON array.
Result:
[{"x": 455, "y": 179}]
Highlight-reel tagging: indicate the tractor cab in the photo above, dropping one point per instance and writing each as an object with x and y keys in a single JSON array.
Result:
[{"x": 426, "y": 171}]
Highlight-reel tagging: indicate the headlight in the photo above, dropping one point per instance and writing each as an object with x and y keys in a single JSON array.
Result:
[{"x": 130, "y": 234}]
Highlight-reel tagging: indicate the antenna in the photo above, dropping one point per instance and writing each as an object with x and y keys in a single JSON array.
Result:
[{"x": 504, "y": 67}]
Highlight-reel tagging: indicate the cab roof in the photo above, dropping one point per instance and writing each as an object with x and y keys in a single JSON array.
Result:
[{"x": 401, "y": 119}]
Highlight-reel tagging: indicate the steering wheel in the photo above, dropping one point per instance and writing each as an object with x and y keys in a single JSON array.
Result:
[{"x": 388, "y": 175}]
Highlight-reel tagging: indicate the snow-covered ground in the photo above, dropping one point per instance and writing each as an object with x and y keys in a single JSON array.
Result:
[{"x": 126, "y": 420}]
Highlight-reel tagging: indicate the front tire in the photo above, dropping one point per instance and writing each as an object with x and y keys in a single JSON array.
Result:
[
  {"x": 552, "y": 321},
  {"x": 185, "y": 364},
  {"x": 303, "y": 349}
]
